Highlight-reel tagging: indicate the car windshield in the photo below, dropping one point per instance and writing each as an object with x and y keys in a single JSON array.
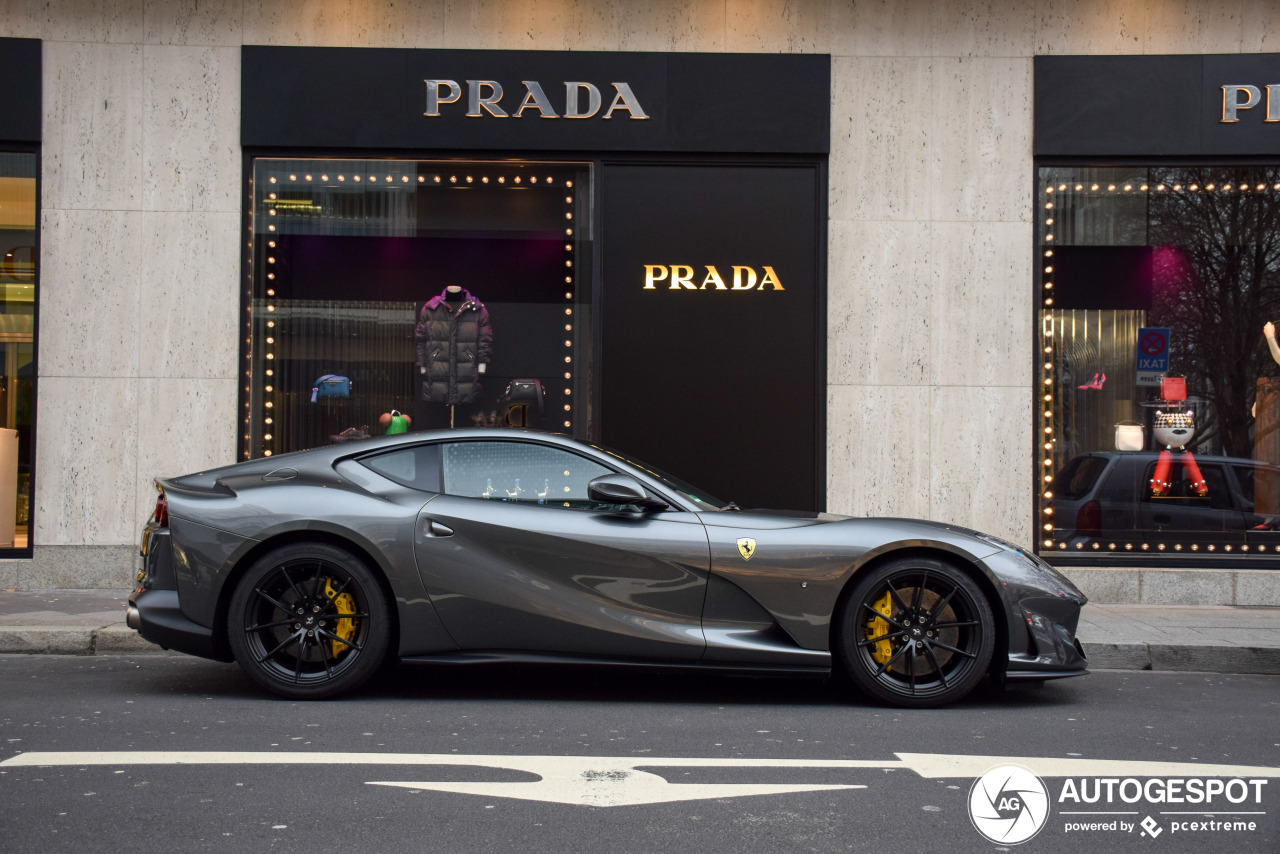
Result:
[
  {"x": 689, "y": 491},
  {"x": 1078, "y": 477}
]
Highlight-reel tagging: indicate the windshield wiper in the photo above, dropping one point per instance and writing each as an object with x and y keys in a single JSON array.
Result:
[{"x": 731, "y": 506}]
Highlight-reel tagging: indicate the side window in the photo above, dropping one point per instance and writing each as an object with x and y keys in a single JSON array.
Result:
[
  {"x": 519, "y": 471},
  {"x": 417, "y": 467},
  {"x": 1183, "y": 490}
]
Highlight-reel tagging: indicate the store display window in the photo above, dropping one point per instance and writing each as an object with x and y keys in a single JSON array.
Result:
[
  {"x": 18, "y": 173},
  {"x": 385, "y": 296},
  {"x": 1158, "y": 371}
]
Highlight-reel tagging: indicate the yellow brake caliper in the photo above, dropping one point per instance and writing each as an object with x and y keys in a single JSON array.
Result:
[
  {"x": 346, "y": 604},
  {"x": 882, "y": 651}
]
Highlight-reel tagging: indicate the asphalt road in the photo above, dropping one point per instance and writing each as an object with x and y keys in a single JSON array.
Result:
[{"x": 490, "y": 760}]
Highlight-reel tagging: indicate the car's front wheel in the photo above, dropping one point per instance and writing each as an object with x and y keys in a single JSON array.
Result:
[
  {"x": 309, "y": 621},
  {"x": 915, "y": 632}
]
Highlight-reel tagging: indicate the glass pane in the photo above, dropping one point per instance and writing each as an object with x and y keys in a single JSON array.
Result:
[
  {"x": 455, "y": 293},
  {"x": 17, "y": 334},
  {"x": 1160, "y": 387},
  {"x": 516, "y": 471}
]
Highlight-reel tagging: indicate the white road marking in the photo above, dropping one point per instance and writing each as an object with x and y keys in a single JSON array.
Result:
[{"x": 608, "y": 781}]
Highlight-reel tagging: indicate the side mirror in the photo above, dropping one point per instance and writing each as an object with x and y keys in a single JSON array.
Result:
[{"x": 622, "y": 489}]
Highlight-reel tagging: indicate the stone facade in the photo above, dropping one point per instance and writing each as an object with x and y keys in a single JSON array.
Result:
[{"x": 930, "y": 279}]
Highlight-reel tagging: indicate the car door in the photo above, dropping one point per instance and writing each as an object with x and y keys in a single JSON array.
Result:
[
  {"x": 516, "y": 557},
  {"x": 1182, "y": 516}
]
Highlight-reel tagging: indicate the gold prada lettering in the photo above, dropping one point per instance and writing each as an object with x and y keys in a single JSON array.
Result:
[
  {"x": 680, "y": 277},
  {"x": 477, "y": 102},
  {"x": 582, "y": 100},
  {"x": 1245, "y": 97},
  {"x": 535, "y": 98}
]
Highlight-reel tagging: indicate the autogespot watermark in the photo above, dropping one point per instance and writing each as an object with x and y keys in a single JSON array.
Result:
[{"x": 1011, "y": 805}]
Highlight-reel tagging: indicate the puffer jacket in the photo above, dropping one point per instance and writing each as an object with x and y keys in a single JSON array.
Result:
[{"x": 452, "y": 342}]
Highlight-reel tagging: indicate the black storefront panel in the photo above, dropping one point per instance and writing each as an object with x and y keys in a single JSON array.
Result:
[{"x": 710, "y": 365}]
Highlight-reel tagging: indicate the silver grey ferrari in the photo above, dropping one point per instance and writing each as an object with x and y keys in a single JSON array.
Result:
[{"x": 314, "y": 569}]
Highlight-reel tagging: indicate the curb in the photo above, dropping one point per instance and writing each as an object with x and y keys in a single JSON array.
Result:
[
  {"x": 118, "y": 638},
  {"x": 58, "y": 640},
  {"x": 1204, "y": 658}
]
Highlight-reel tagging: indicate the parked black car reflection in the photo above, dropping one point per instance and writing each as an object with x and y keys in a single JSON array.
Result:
[
  {"x": 311, "y": 569},
  {"x": 1106, "y": 497}
]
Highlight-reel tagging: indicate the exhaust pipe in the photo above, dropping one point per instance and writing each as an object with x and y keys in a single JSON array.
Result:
[{"x": 132, "y": 618}]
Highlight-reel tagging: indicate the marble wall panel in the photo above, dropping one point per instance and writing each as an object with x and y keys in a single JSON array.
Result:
[
  {"x": 660, "y": 25},
  {"x": 880, "y": 136},
  {"x": 777, "y": 26},
  {"x": 89, "y": 279},
  {"x": 190, "y": 296},
  {"x": 1189, "y": 26},
  {"x": 1090, "y": 26},
  {"x": 878, "y": 295},
  {"x": 876, "y": 463},
  {"x": 349, "y": 23},
  {"x": 981, "y": 140},
  {"x": 184, "y": 426},
  {"x": 86, "y": 461},
  {"x": 902, "y": 28},
  {"x": 1258, "y": 33},
  {"x": 104, "y": 21},
  {"x": 21, "y": 19},
  {"x": 194, "y": 22},
  {"x": 514, "y": 25},
  {"x": 982, "y": 318},
  {"x": 979, "y": 456},
  {"x": 93, "y": 126},
  {"x": 983, "y": 28},
  {"x": 191, "y": 153}
]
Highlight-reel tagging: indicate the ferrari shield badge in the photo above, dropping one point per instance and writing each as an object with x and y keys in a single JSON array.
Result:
[{"x": 746, "y": 547}]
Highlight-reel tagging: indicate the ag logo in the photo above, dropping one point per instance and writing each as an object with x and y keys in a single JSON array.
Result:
[
  {"x": 1008, "y": 804},
  {"x": 747, "y": 547}
]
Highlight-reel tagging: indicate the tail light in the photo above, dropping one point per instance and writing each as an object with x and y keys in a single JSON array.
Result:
[
  {"x": 161, "y": 514},
  {"x": 1089, "y": 520}
]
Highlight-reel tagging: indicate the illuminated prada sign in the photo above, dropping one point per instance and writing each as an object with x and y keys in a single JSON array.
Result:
[
  {"x": 683, "y": 277},
  {"x": 582, "y": 100},
  {"x": 1246, "y": 97}
]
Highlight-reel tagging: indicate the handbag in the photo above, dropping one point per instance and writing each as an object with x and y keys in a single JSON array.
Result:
[
  {"x": 331, "y": 385},
  {"x": 524, "y": 391},
  {"x": 1173, "y": 388},
  {"x": 1130, "y": 436}
]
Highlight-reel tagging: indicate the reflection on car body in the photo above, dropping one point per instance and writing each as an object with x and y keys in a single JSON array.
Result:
[{"x": 311, "y": 569}]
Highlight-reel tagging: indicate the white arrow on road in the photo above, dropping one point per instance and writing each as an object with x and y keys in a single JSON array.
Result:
[{"x": 607, "y": 781}]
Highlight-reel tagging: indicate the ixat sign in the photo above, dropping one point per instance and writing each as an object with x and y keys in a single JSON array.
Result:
[{"x": 582, "y": 100}]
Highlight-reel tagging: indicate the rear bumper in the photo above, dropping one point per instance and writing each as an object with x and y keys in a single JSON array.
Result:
[{"x": 157, "y": 616}]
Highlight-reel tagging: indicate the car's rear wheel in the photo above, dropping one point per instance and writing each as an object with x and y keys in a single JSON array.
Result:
[
  {"x": 915, "y": 632},
  {"x": 309, "y": 621}
]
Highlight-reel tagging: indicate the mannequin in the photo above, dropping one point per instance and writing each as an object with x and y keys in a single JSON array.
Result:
[
  {"x": 1175, "y": 427},
  {"x": 1266, "y": 434},
  {"x": 454, "y": 345}
]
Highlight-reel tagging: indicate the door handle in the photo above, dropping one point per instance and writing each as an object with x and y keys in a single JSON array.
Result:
[{"x": 435, "y": 529}]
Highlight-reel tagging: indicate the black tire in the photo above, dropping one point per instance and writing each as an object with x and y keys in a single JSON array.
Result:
[
  {"x": 309, "y": 621},
  {"x": 932, "y": 647}
]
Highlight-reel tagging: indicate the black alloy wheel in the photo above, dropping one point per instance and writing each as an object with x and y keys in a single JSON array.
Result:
[
  {"x": 916, "y": 632},
  {"x": 309, "y": 621}
]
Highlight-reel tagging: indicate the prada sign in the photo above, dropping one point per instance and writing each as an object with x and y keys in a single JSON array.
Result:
[
  {"x": 681, "y": 277},
  {"x": 1213, "y": 105},
  {"x": 1246, "y": 97},
  {"x": 391, "y": 99},
  {"x": 484, "y": 97}
]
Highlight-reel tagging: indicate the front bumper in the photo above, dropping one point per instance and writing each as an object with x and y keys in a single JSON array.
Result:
[{"x": 1043, "y": 610}]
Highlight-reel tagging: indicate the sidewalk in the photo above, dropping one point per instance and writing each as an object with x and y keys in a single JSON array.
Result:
[{"x": 1213, "y": 638}]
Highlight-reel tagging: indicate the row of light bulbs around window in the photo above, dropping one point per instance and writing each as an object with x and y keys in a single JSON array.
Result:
[
  {"x": 422, "y": 179},
  {"x": 1162, "y": 188},
  {"x": 1160, "y": 547},
  {"x": 269, "y": 356}
]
